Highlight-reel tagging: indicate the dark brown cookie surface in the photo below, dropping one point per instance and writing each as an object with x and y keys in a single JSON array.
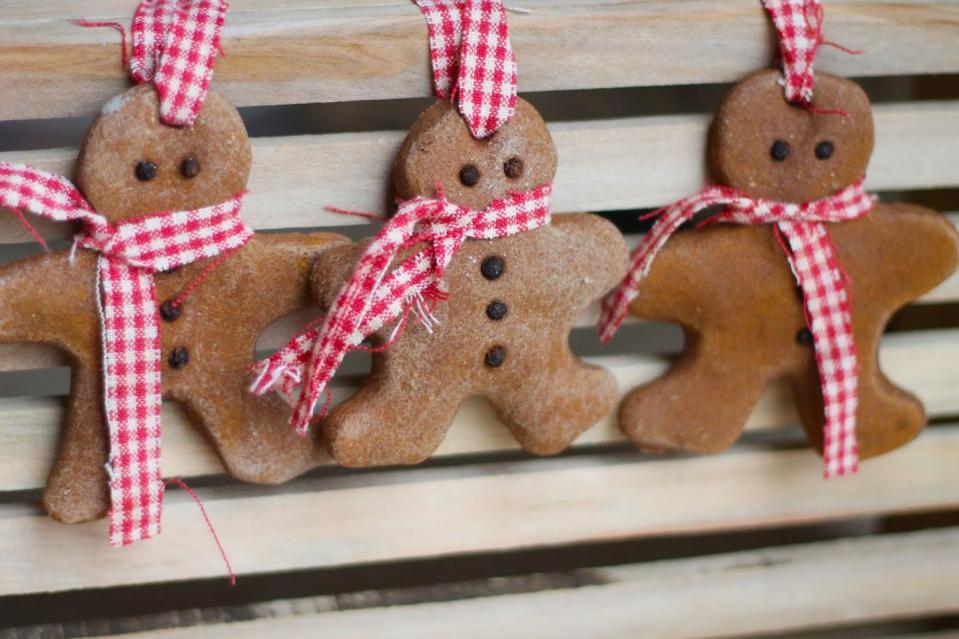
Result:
[
  {"x": 503, "y": 331},
  {"x": 210, "y": 340},
  {"x": 731, "y": 288}
]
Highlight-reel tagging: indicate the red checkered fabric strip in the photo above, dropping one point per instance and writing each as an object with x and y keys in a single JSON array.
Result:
[
  {"x": 376, "y": 295},
  {"x": 130, "y": 253},
  {"x": 175, "y": 44},
  {"x": 799, "y": 23},
  {"x": 816, "y": 267},
  {"x": 473, "y": 60}
]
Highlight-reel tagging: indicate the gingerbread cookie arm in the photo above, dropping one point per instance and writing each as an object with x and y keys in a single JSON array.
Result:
[
  {"x": 595, "y": 250},
  {"x": 332, "y": 270}
]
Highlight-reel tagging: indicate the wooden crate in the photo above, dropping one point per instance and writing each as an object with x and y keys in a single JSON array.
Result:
[{"x": 483, "y": 540}]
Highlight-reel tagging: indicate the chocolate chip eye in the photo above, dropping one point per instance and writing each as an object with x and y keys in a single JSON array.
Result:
[
  {"x": 469, "y": 175},
  {"x": 824, "y": 150},
  {"x": 513, "y": 168},
  {"x": 145, "y": 171},
  {"x": 779, "y": 150},
  {"x": 190, "y": 168}
]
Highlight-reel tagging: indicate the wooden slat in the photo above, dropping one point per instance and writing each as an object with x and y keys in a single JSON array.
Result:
[
  {"x": 435, "y": 512},
  {"x": 605, "y": 165},
  {"x": 926, "y": 363},
  {"x": 296, "y": 51},
  {"x": 774, "y": 590}
]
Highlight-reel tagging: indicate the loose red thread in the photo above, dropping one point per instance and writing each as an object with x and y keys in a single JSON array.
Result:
[
  {"x": 112, "y": 25},
  {"x": 31, "y": 230},
  {"x": 209, "y": 524},
  {"x": 196, "y": 281}
]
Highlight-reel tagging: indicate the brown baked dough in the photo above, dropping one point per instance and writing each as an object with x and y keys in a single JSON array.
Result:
[
  {"x": 731, "y": 289},
  {"x": 540, "y": 390},
  {"x": 46, "y": 299}
]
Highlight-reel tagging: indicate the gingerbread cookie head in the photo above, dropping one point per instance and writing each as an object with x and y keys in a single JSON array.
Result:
[
  {"x": 440, "y": 151},
  {"x": 132, "y": 164},
  {"x": 769, "y": 148}
]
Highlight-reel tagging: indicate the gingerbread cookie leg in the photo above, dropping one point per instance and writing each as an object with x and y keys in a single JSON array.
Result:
[
  {"x": 264, "y": 449},
  {"x": 549, "y": 425},
  {"x": 701, "y": 404},
  {"x": 385, "y": 420}
]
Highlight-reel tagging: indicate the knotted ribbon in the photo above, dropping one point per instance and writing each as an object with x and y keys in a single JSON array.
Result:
[
  {"x": 376, "y": 295},
  {"x": 175, "y": 44},
  {"x": 472, "y": 60},
  {"x": 130, "y": 252},
  {"x": 812, "y": 257}
]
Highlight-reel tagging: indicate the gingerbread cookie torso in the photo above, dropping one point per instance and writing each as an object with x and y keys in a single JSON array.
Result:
[
  {"x": 503, "y": 331},
  {"x": 731, "y": 288},
  {"x": 132, "y": 165}
]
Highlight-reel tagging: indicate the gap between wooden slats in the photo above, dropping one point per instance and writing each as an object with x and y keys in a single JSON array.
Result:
[
  {"x": 776, "y": 590},
  {"x": 436, "y": 512},
  {"x": 605, "y": 165},
  {"x": 926, "y": 363},
  {"x": 298, "y": 51}
]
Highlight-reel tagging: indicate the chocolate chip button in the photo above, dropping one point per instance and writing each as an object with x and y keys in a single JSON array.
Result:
[
  {"x": 492, "y": 267},
  {"x": 170, "y": 311},
  {"x": 824, "y": 150},
  {"x": 513, "y": 168},
  {"x": 190, "y": 168},
  {"x": 496, "y": 310},
  {"x": 145, "y": 170},
  {"x": 179, "y": 358},
  {"x": 469, "y": 175},
  {"x": 495, "y": 357},
  {"x": 804, "y": 337},
  {"x": 779, "y": 150}
]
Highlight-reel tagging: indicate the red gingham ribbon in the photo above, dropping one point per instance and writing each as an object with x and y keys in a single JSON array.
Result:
[
  {"x": 130, "y": 253},
  {"x": 812, "y": 257},
  {"x": 175, "y": 43},
  {"x": 472, "y": 60},
  {"x": 799, "y": 23},
  {"x": 374, "y": 295}
]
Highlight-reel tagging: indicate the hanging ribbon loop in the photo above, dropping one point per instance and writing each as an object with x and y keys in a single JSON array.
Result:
[{"x": 472, "y": 60}]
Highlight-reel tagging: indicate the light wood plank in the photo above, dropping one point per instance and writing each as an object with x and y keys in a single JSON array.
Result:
[
  {"x": 299, "y": 51},
  {"x": 436, "y": 512},
  {"x": 774, "y": 590},
  {"x": 605, "y": 165},
  {"x": 926, "y": 363}
]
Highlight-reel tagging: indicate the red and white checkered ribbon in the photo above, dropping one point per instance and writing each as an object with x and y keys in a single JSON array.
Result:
[
  {"x": 175, "y": 44},
  {"x": 799, "y": 23},
  {"x": 130, "y": 253},
  {"x": 812, "y": 257},
  {"x": 376, "y": 295},
  {"x": 472, "y": 60}
]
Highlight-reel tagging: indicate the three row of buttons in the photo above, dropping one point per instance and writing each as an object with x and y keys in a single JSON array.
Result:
[{"x": 492, "y": 268}]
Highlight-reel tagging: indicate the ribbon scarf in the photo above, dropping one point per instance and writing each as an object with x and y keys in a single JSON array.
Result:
[
  {"x": 129, "y": 254},
  {"x": 374, "y": 295},
  {"x": 472, "y": 60},
  {"x": 175, "y": 44},
  {"x": 812, "y": 257}
]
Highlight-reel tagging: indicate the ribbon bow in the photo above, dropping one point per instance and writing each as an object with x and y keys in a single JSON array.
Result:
[
  {"x": 130, "y": 253},
  {"x": 812, "y": 257},
  {"x": 175, "y": 44},
  {"x": 376, "y": 295},
  {"x": 472, "y": 60}
]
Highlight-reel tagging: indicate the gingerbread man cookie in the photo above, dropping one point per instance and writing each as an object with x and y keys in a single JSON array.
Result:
[
  {"x": 132, "y": 165},
  {"x": 734, "y": 294},
  {"x": 502, "y": 333},
  {"x": 495, "y": 285}
]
